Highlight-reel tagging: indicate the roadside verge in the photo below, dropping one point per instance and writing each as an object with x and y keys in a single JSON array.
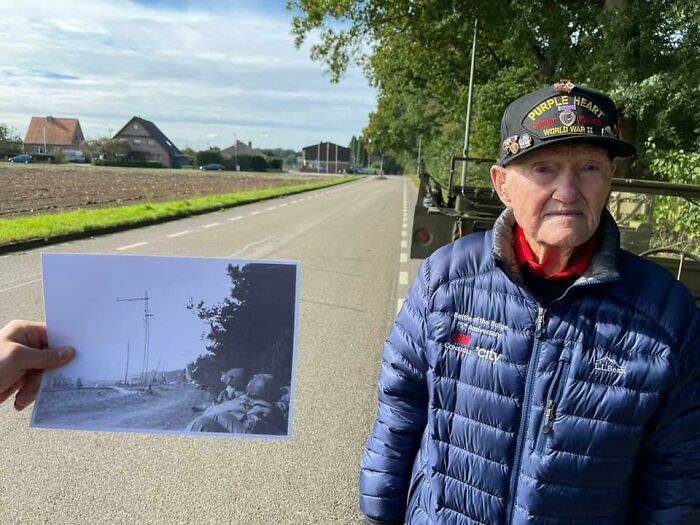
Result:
[{"x": 28, "y": 232}]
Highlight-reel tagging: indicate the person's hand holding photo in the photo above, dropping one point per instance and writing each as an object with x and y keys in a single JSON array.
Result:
[{"x": 24, "y": 355}]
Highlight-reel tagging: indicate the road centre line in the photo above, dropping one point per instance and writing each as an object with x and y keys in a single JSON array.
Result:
[
  {"x": 211, "y": 225},
  {"x": 404, "y": 244},
  {"x": 185, "y": 232},
  {"x": 283, "y": 205},
  {"x": 403, "y": 233},
  {"x": 403, "y": 258},
  {"x": 255, "y": 212},
  {"x": 271, "y": 208},
  {"x": 399, "y": 305},
  {"x": 236, "y": 218},
  {"x": 130, "y": 246},
  {"x": 20, "y": 285},
  {"x": 403, "y": 278}
]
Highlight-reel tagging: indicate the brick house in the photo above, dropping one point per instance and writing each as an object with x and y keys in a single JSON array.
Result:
[
  {"x": 326, "y": 157},
  {"x": 150, "y": 143},
  {"x": 49, "y": 133}
]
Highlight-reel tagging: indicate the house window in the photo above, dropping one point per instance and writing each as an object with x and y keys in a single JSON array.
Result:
[
  {"x": 137, "y": 141},
  {"x": 156, "y": 157},
  {"x": 136, "y": 126},
  {"x": 151, "y": 142}
]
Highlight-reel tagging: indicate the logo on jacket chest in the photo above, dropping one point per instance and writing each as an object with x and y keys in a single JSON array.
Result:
[{"x": 469, "y": 326}]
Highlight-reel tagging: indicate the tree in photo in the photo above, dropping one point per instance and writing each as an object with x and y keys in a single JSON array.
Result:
[{"x": 252, "y": 328}]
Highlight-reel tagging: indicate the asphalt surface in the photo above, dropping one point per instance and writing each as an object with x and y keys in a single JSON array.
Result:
[{"x": 352, "y": 242}]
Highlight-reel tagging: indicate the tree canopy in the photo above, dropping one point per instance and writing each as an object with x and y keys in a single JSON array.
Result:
[
  {"x": 416, "y": 52},
  {"x": 252, "y": 328}
]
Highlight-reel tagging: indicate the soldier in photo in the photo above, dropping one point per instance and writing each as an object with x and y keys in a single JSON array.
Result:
[{"x": 537, "y": 372}]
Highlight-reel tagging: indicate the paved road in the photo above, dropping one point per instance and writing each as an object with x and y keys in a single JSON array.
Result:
[{"x": 352, "y": 243}]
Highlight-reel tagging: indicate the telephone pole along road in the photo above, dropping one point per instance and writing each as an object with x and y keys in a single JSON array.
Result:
[{"x": 352, "y": 241}]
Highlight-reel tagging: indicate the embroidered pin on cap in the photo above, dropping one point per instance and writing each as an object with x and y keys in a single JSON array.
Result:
[{"x": 563, "y": 112}]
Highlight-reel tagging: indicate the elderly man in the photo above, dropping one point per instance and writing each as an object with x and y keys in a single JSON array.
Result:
[{"x": 537, "y": 372}]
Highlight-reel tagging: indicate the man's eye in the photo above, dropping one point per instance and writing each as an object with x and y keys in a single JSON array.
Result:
[
  {"x": 543, "y": 169},
  {"x": 591, "y": 167}
]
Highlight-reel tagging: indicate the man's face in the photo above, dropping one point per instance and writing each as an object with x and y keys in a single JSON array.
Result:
[{"x": 557, "y": 192}]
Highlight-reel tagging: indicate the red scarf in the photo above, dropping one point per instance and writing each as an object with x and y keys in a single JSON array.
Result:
[{"x": 525, "y": 256}]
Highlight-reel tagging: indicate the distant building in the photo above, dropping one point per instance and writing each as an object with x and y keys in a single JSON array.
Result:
[
  {"x": 240, "y": 148},
  {"x": 48, "y": 133},
  {"x": 325, "y": 157},
  {"x": 146, "y": 139}
]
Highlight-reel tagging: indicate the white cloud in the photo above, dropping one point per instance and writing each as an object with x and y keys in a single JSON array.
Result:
[{"x": 195, "y": 71}]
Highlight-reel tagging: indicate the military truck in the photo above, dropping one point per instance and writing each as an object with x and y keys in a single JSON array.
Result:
[{"x": 443, "y": 215}]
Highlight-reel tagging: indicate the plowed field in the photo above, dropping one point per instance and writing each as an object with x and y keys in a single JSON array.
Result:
[{"x": 35, "y": 189}]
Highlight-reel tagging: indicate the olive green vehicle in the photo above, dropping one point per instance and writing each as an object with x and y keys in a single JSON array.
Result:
[{"x": 444, "y": 214}]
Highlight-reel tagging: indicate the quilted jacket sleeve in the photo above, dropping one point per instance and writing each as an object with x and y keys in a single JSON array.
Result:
[
  {"x": 403, "y": 409},
  {"x": 667, "y": 478}
]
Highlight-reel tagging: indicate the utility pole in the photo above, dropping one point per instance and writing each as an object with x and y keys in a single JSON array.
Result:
[
  {"x": 146, "y": 337},
  {"x": 336, "y": 158},
  {"x": 328, "y": 147},
  {"x": 126, "y": 373},
  {"x": 318, "y": 159},
  {"x": 418, "y": 161},
  {"x": 465, "y": 151}
]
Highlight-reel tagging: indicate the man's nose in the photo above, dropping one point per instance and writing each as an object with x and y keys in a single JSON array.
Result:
[{"x": 567, "y": 189}]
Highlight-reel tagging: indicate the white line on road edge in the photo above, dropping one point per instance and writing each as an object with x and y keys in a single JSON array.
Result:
[
  {"x": 404, "y": 234},
  {"x": 404, "y": 244},
  {"x": 20, "y": 285},
  {"x": 211, "y": 225},
  {"x": 403, "y": 257},
  {"x": 283, "y": 205},
  {"x": 271, "y": 208},
  {"x": 236, "y": 218},
  {"x": 403, "y": 277},
  {"x": 130, "y": 246},
  {"x": 294, "y": 202},
  {"x": 255, "y": 212},
  {"x": 236, "y": 254},
  {"x": 179, "y": 233},
  {"x": 399, "y": 304}
]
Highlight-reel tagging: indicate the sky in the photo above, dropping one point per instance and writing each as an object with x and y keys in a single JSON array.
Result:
[
  {"x": 85, "y": 309},
  {"x": 205, "y": 72}
]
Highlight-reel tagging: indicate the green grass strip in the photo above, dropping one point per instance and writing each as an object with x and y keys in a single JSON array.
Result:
[{"x": 85, "y": 220}]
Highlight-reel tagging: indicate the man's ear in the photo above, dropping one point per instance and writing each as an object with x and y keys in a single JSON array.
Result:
[{"x": 498, "y": 179}]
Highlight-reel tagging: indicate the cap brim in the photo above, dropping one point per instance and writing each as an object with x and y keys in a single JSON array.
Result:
[{"x": 619, "y": 148}]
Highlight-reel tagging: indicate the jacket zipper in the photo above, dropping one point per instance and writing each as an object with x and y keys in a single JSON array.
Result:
[
  {"x": 525, "y": 416},
  {"x": 556, "y": 389}
]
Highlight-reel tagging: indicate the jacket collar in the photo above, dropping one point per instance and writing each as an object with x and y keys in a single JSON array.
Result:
[{"x": 603, "y": 266}]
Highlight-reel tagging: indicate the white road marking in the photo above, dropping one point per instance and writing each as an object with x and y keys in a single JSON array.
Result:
[
  {"x": 130, "y": 246},
  {"x": 294, "y": 202},
  {"x": 236, "y": 254},
  {"x": 403, "y": 277},
  {"x": 185, "y": 232},
  {"x": 211, "y": 225},
  {"x": 236, "y": 218},
  {"x": 399, "y": 305},
  {"x": 20, "y": 285},
  {"x": 404, "y": 234},
  {"x": 271, "y": 208},
  {"x": 403, "y": 257},
  {"x": 255, "y": 212},
  {"x": 404, "y": 244},
  {"x": 283, "y": 205}
]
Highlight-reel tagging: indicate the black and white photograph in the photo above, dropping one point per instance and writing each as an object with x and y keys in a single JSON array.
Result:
[{"x": 170, "y": 344}]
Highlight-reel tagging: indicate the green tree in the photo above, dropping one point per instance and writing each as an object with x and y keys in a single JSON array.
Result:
[
  {"x": 10, "y": 143},
  {"x": 417, "y": 55}
]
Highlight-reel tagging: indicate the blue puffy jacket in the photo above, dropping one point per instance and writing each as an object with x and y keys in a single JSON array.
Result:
[{"x": 496, "y": 410}]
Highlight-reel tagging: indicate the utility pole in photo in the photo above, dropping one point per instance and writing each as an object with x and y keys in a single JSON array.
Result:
[
  {"x": 146, "y": 336},
  {"x": 318, "y": 159}
]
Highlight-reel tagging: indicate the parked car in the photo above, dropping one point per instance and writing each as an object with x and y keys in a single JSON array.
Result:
[
  {"x": 74, "y": 155},
  {"x": 212, "y": 167},
  {"x": 24, "y": 159}
]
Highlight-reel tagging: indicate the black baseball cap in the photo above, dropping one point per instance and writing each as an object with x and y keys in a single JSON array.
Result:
[{"x": 563, "y": 112}]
